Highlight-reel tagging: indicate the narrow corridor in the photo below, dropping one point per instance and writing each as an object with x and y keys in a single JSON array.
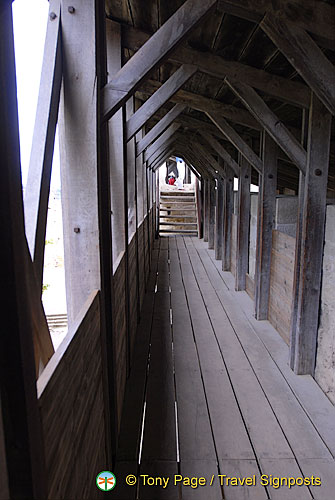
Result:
[{"x": 210, "y": 392}]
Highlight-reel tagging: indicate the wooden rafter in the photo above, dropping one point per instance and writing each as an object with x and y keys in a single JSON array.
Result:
[
  {"x": 153, "y": 53},
  {"x": 311, "y": 15},
  {"x": 213, "y": 65},
  {"x": 160, "y": 97},
  {"x": 159, "y": 128},
  {"x": 38, "y": 183},
  {"x": 221, "y": 151},
  {"x": 237, "y": 140},
  {"x": 274, "y": 127},
  {"x": 305, "y": 56}
]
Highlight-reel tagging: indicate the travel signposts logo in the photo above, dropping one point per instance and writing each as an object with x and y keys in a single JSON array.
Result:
[{"x": 106, "y": 480}]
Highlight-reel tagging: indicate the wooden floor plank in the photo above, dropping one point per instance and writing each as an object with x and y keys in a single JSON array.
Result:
[
  {"x": 194, "y": 430},
  {"x": 286, "y": 468},
  {"x": 130, "y": 430},
  {"x": 159, "y": 442},
  {"x": 300, "y": 432},
  {"x": 242, "y": 469},
  {"x": 158, "y": 469},
  {"x": 266, "y": 434},
  {"x": 231, "y": 439},
  {"x": 122, "y": 491},
  {"x": 201, "y": 469},
  {"x": 325, "y": 469}
]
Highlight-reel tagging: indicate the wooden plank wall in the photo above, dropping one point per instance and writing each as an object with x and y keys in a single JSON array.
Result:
[
  {"x": 233, "y": 245},
  {"x": 120, "y": 333},
  {"x": 250, "y": 286},
  {"x": 281, "y": 283},
  {"x": 72, "y": 410}
]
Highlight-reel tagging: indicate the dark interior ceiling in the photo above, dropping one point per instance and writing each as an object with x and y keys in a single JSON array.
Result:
[{"x": 234, "y": 39}]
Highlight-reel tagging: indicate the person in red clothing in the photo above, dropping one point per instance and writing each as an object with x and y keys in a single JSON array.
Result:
[{"x": 172, "y": 180}]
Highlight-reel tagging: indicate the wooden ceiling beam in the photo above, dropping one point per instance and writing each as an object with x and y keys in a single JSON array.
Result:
[
  {"x": 204, "y": 104},
  {"x": 311, "y": 15},
  {"x": 275, "y": 128},
  {"x": 237, "y": 141},
  {"x": 159, "y": 128},
  {"x": 152, "y": 54},
  {"x": 221, "y": 151},
  {"x": 160, "y": 97},
  {"x": 282, "y": 88},
  {"x": 166, "y": 136},
  {"x": 305, "y": 56}
]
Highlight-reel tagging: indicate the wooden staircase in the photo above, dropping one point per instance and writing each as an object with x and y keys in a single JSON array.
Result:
[{"x": 177, "y": 213}]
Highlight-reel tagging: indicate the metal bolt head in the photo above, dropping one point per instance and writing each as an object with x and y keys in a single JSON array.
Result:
[
  {"x": 71, "y": 9},
  {"x": 52, "y": 16},
  {"x": 270, "y": 176},
  {"x": 76, "y": 229},
  {"x": 318, "y": 172}
]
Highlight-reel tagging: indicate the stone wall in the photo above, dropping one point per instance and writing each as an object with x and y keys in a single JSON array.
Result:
[{"x": 325, "y": 361}]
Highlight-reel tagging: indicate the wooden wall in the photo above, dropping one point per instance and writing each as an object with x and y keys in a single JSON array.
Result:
[
  {"x": 281, "y": 284},
  {"x": 70, "y": 388},
  {"x": 233, "y": 245},
  {"x": 72, "y": 410},
  {"x": 250, "y": 286}
]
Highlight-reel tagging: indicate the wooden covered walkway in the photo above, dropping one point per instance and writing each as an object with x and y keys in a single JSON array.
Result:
[{"x": 210, "y": 391}]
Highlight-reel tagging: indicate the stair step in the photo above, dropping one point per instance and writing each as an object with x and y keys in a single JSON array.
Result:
[
  {"x": 188, "y": 231},
  {"x": 162, "y": 216},
  {"x": 177, "y": 193},
  {"x": 177, "y": 223},
  {"x": 181, "y": 198},
  {"x": 178, "y": 209}
]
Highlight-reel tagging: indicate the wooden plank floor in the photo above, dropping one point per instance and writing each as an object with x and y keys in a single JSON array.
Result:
[{"x": 210, "y": 392}]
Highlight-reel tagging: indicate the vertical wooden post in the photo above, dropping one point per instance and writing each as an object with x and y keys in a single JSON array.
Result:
[
  {"x": 211, "y": 221},
  {"x": 116, "y": 150},
  {"x": 243, "y": 220},
  {"x": 206, "y": 208},
  {"x": 265, "y": 226},
  {"x": 298, "y": 242},
  {"x": 78, "y": 156},
  {"x": 227, "y": 219},
  {"x": 23, "y": 473},
  {"x": 105, "y": 247},
  {"x": 156, "y": 176},
  {"x": 219, "y": 219},
  {"x": 311, "y": 246}
]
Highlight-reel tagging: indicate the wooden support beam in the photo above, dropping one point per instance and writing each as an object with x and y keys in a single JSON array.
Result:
[
  {"x": 282, "y": 88},
  {"x": 107, "y": 304},
  {"x": 116, "y": 150},
  {"x": 304, "y": 55},
  {"x": 298, "y": 245},
  {"x": 265, "y": 225},
  {"x": 158, "y": 99},
  {"x": 221, "y": 152},
  {"x": 315, "y": 17},
  {"x": 237, "y": 141},
  {"x": 206, "y": 208},
  {"x": 211, "y": 218},
  {"x": 37, "y": 190},
  {"x": 159, "y": 128},
  {"x": 270, "y": 122},
  {"x": 153, "y": 53},
  {"x": 305, "y": 342},
  {"x": 219, "y": 219},
  {"x": 78, "y": 158},
  {"x": 243, "y": 222},
  {"x": 22, "y": 439},
  {"x": 164, "y": 155},
  {"x": 166, "y": 136},
  {"x": 227, "y": 220},
  {"x": 207, "y": 159},
  {"x": 204, "y": 104}
]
